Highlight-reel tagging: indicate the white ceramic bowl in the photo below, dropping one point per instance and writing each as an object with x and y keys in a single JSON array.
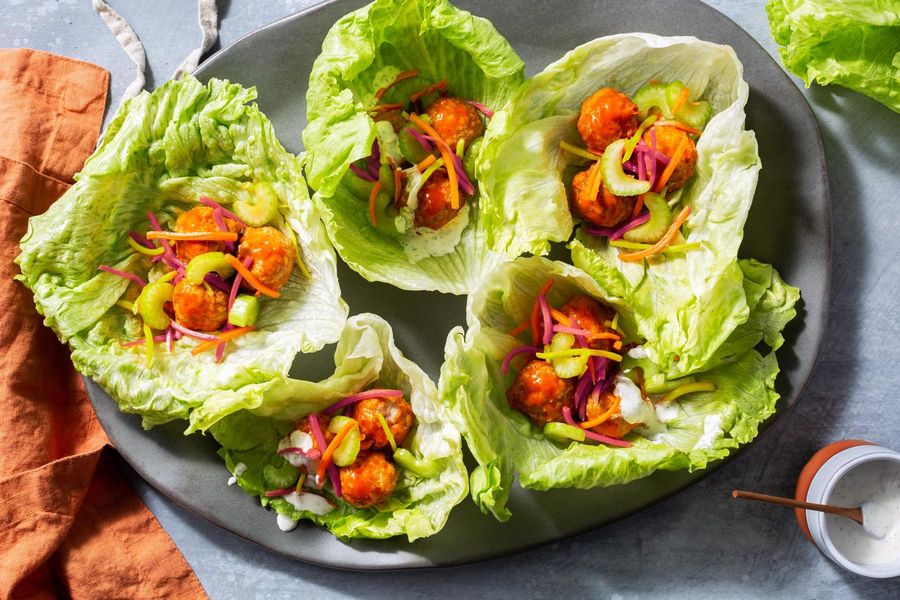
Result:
[{"x": 825, "y": 477}]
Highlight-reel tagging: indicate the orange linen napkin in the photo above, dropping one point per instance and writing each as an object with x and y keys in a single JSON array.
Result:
[{"x": 70, "y": 525}]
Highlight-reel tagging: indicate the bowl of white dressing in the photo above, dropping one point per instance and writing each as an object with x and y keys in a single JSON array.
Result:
[{"x": 855, "y": 474}]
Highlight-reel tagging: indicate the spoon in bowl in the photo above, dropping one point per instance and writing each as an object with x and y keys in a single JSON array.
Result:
[{"x": 855, "y": 514}]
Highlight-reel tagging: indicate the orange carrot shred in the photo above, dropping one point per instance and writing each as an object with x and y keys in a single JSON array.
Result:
[
  {"x": 445, "y": 151},
  {"x": 617, "y": 345},
  {"x": 682, "y": 98},
  {"x": 250, "y": 277},
  {"x": 663, "y": 242},
  {"x": 193, "y": 236},
  {"x": 329, "y": 451},
  {"x": 373, "y": 196},
  {"x": 604, "y": 417},
  {"x": 606, "y": 335},
  {"x": 522, "y": 327},
  {"x": 426, "y": 162},
  {"x": 400, "y": 77},
  {"x": 440, "y": 85},
  {"x": 221, "y": 339},
  {"x": 670, "y": 168},
  {"x": 594, "y": 182},
  {"x": 561, "y": 318}
]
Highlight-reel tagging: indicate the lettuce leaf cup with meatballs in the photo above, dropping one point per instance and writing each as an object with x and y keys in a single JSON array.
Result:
[
  {"x": 187, "y": 266},
  {"x": 368, "y": 452},
  {"x": 641, "y": 140},
  {"x": 552, "y": 382},
  {"x": 397, "y": 105}
]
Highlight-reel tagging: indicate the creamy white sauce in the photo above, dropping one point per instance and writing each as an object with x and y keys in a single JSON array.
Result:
[
  {"x": 875, "y": 486},
  {"x": 239, "y": 470},
  {"x": 285, "y": 523},
  {"x": 314, "y": 503},
  {"x": 302, "y": 440},
  {"x": 667, "y": 412},
  {"x": 638, "y": 353},
  {"x": 422, "y": 242},
  {"x": 637, "y": 409},
  {"x": 712, "y": 428}
]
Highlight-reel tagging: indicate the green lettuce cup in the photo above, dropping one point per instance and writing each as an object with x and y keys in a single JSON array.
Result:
[
  {"x": 427, "y": 488},
  {"x": 688, "y": 432},
  {"x": 686, "y": 303},
  {"x": 853, "y": 44},
  {"x": 161, "y": 153},
  {"x": 363, "y": 55}
]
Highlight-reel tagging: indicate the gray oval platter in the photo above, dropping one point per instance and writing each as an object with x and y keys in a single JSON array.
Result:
[{"x": 789, "y": 226}]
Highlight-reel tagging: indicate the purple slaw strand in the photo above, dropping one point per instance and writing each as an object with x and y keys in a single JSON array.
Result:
[
  {"x": 141, "y": 240},
  {"x": 616, "y": 233},
  {"x": 421, "y": 138},
  {"x": 362, "y": 173},
  {"x": 123, "y": 274},
  {"x": 515, "y": 352},
  {"x": 373, "y": 162},
  {"x": 220, "y": 223},
  {"x": 353, "y": 398},
  {"x": 225, "y": 212}
]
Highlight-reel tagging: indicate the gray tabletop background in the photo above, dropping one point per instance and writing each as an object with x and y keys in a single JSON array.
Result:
[{"x": 698, "y": 543}]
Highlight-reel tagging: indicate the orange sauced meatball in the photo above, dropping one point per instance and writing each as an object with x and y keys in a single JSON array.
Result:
[
  {"x": 272, "y": 254},
  {"x": 615, "y": 426},
  {"x": 324, "y": 420},
  {"x": 394, "y": 117},
  {"x": 606, "y": 116},
  {"x": 369, "y": 481},
  {"x": 586, "y": 313},
  {"x": 434, "y": 210},
  {"x": 200, "y": 218},
  {"x": 200, "y": 307},
  {"x": 603, "y": 210},
  {"x": 667, "y": 141},
  {"x": 397, "y": 414},
  {"x": 540, "y": 393},
  {"x": 454, "y": 119}
]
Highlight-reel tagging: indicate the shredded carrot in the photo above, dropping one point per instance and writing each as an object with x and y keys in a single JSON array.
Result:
[
  {"x": 373, "y": 196},
  {"x": 445, "y": 154},
  {"x": 679, "y": 125},
  {"x": 380, "y": 108},
  {"x": 398, "y": 179},
  {"x": 400, "y": 77},
  {"x": 193, "y": 236},
  {"x": 637, "y": 207},
  {"x": 670, "y": 168},
  {"x": 440, "y": 85},
  {"x": 329, "y": 451},
  {"x": 682, "y": 98},
  {"x": 250, "y": 277},
  {"x": 561, "y": 318},
  {"x": 606, "y": 335},
  {"x": 604, "y": 417},
  {"x": 222, "y": 338},
  {"x": 617, "y": 345},
  {"x": 426, "y": 162},
  {"x": 594, "y": 182},
  {"x": 663, "y": 242},
  {"x": 519, "y": 329}
]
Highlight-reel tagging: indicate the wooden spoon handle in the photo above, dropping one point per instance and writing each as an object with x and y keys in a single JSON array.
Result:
[{"x": 850, "y": 513}]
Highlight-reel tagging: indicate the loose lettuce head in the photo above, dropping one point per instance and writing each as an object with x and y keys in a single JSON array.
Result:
[
  {"x": 361, "y": 53},
  {"x": 685, "y": 305},
  {"x": 853, "y": 43},
  {"x": 365, "y": 356},
  {"x": 161, "y": 152},
  {"x": 704, "y": 428}
]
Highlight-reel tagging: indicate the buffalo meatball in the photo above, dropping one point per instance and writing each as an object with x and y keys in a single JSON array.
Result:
[
  {"x": 200, "y": 219},
  {"x": 615, "y": 426},
  {"x": 667, "y": 141},
  {"x": 603, "y": 210},
  {"x": 397, "y": 414},
  {"x": 608, "y": 115},
  {"x": 540, "y": 393},
  {"x": 272, "y": 255},
  {"x": 454, "y": 119},
  {"x": 586, "y": 313},
  {"x": 323, "y": 420},
  {"x": 201, "y": 307},
  {"x": 434, "y": 210},
  {"x": 369, "y": 481}
]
